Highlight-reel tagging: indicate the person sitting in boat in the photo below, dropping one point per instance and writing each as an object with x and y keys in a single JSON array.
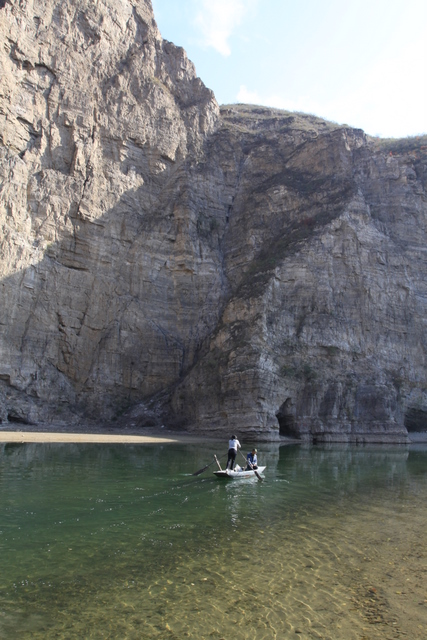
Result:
[
  {"x": 233, "y": 445},
  {"x": 252, "y": 460}
]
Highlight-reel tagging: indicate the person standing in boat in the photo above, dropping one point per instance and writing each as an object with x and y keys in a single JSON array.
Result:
[
  {"x": 252, "y": 460},
  {"x": 233, "y": 445}
]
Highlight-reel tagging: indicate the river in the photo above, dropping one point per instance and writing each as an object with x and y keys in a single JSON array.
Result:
[{"x": 122, "y": 542}]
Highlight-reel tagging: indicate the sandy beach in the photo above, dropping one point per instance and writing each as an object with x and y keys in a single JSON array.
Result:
[{"x": 43, "y": 436}]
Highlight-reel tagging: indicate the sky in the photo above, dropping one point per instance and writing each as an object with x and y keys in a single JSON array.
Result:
[{"x": 356, "y": 62}]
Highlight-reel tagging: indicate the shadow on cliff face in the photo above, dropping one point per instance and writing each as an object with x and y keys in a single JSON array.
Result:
[
  {"x": 116, "y": 310},
  {"x": 92, "y": 240}
]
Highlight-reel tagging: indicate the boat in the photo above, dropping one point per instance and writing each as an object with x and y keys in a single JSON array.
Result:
[{"x": 238, "y": 473}]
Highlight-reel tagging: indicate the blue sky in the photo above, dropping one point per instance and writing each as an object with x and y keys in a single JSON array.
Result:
[{"x": 359, "y": 62}]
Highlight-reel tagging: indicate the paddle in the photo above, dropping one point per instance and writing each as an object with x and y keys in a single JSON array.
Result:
[
  {"x": 251, "y": 466},
  {"x": 197, "y": 473}
]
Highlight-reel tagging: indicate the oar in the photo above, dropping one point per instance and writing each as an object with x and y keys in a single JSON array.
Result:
[
  {"x": 251, "y": 466},
  {"x": 197, "y": 473}
]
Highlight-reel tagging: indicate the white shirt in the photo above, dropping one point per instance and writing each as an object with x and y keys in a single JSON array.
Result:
[{"x": 234, "y": 444}]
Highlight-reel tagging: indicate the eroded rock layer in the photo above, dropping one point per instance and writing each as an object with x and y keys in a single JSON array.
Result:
[{"x": 163, "y": 261}]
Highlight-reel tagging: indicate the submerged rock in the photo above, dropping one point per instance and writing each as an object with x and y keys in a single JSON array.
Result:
[{"x": 167, "y": 262}]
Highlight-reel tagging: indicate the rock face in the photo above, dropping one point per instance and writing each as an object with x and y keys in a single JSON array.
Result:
[{"x": 165, "y": 261}]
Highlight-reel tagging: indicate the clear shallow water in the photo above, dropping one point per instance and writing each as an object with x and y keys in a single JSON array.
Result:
[{"x": 120, "y": 541}]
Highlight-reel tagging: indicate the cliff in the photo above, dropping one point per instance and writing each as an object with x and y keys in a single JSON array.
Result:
[{"x": 165, "y": 261}]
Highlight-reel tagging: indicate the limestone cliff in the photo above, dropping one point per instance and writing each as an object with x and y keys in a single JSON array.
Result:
[{"x": 248, "y": 269}]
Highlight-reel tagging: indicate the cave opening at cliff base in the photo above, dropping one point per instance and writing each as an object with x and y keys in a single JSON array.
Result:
[
  {"x": 416, "y": 420},
  {"x": 286, "y": 419}
]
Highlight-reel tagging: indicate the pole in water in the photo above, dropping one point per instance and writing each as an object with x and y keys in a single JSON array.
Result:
[
  {"x": 217, "y": 461},
  {"x": 197, "y": 473}
]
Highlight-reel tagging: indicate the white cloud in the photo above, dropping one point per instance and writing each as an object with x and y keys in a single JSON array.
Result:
[{"x": 217, "y": 20}]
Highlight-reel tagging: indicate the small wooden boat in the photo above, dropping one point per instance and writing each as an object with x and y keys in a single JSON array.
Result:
[{"x": 238, "y": 473}]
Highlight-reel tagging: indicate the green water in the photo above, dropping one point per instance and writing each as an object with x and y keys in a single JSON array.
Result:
[{"x": 121, "y": 541}]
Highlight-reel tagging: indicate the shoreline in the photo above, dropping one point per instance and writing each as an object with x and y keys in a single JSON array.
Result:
[{"x": 61, "y": 434}]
